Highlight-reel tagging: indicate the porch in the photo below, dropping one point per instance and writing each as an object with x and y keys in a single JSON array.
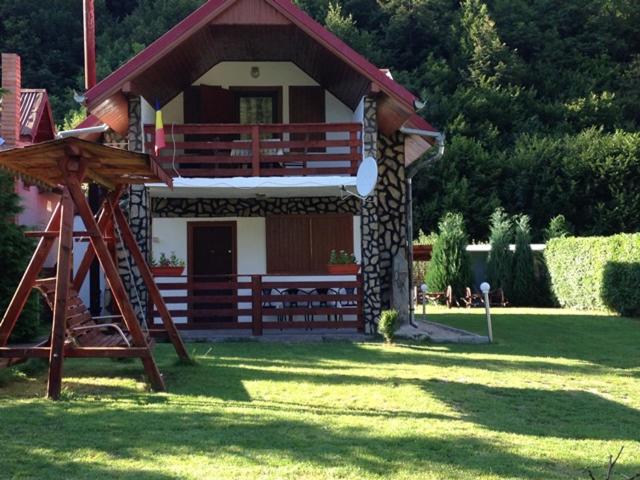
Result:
[
  {"x": 259, "y": 150},
  {"x": 262, "y": 302}
]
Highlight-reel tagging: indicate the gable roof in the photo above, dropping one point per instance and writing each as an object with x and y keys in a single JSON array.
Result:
[
  {"x": 105, "y": 98},
  {"x": 36, "y": 122},
  {"x": 36, "y": 118}
]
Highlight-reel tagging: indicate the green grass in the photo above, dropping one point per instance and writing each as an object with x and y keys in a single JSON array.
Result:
[{"x": 557, "y": 392}]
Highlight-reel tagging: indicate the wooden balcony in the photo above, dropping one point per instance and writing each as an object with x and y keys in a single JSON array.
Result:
[
  {"x": 266, "y": 150},
  {"x": 259, "y": 302}
]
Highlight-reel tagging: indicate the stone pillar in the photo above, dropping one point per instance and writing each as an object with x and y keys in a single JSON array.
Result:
[
  {"x": 136, "y": 206},
  {"x": 392, "y": 212},
  {"x": 400, "y": 295},
  {"x": 370, "y": 226}
]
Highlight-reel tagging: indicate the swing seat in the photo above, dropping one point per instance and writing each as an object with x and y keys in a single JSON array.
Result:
[{"x": 83, "y": 330}]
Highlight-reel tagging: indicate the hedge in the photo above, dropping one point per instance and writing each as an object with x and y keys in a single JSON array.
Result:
[{"x": 596, "y": 272}]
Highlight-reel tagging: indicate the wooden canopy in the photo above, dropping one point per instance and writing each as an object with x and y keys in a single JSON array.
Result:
[
  {"x": 67, "y": 163},
  {"x": 106, "y": 166}
]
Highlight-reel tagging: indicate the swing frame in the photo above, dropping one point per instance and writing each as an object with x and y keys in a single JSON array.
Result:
[{"x": 66, "y": 164}]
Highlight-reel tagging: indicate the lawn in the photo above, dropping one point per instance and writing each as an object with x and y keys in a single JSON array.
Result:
[{"x": 558, "y": 391}]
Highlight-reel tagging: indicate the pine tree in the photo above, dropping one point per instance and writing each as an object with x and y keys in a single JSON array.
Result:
[
  {"x": 15, "y": 252},
  {"x": 450, "y": 264},
  {"x": 523, "y": 286},
  {"x": 500, "y": 259}
]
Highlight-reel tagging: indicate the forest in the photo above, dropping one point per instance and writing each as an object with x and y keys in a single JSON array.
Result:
[{"x": 539, "y": 99}]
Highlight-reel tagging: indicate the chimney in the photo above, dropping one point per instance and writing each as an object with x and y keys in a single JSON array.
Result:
[{"x": 10, "y": 130}]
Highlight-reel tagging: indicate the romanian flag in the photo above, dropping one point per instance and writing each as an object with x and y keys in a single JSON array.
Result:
[{"x": 160, "y": 141}]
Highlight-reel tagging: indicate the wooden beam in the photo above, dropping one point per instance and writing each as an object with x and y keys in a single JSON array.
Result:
[
  {"x": 28, "y": 352},
  {"x": 28, "y": 279},
  {"x": 63, "y": 276},
  {"x": 115, "y": 282},
  {"x": 154, "y": 291}
]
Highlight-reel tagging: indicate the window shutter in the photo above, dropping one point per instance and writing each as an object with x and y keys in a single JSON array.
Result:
[{"x": 301, "y": 244}]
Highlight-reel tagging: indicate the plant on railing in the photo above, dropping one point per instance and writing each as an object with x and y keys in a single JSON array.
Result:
[
  {"x": 388, "y": 324},
  {"x": 167, "y": 266},
  {"x": 342, "y": 262},
  {"x": 341, "y": 258}
]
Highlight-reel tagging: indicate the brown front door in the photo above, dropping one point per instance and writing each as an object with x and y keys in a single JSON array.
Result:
[{"x": 212, "y": 259}]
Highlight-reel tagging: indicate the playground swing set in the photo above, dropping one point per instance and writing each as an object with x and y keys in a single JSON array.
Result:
[{"x": 66, "y": 164}]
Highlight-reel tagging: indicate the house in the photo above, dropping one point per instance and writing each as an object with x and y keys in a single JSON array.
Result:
[
  {"x": 25, "y": 119},
  {"x": 267, "y": 118}
]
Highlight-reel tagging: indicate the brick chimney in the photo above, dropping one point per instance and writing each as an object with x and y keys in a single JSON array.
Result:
[{"x": 10, "y": 130}]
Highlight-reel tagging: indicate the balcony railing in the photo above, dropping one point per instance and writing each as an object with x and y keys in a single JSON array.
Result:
[
  {"x": 232, "y": 150},
  {"x": 259, "y": 302}
]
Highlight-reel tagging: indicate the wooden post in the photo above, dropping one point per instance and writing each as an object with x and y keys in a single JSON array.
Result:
[
  {"x": 355, "y": 155},
  {"x": 361, "y": 324},
  {"x": 28, "y": 279},
  {"x": 63, "y": 278},
  {"x": 147, "y": 276},
  {"x": 255, "y": 150},
  {"x": 115, "y": 282},
  {"x": 256, "y": 304}
]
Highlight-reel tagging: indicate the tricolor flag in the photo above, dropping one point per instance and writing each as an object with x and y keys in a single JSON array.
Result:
[{"x": 160, "y": 141}]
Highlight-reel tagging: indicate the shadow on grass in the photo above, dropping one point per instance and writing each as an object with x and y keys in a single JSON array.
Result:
[
  {"x": 544, "y": 413},
  {"x": 605, "y": 340},
  {"x": 138, "y": 434}
]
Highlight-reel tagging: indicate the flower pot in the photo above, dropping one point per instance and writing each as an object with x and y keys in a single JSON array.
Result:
[
  {"x": 422, "y": 252},
  {"x": 344, "y": 269},
  {"x": 167, "y": 271}
]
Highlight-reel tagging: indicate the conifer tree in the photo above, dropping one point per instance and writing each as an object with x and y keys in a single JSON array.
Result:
[
  {"x": 450, "y": 264},
  {"x": 500, "y": 259},
  {"x": 523, "y": 285}
]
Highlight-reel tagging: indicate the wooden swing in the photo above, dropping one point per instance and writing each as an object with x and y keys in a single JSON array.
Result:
[{"x": 66, "y": 164}]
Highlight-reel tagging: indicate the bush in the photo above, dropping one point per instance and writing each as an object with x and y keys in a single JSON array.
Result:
[
  {"x": 15, "y": 252},
  {"x": 388, "y": 324},
  {"x": 450, "y": 264},
  {"x": 499, "y": 261},
  {"x": 523, "y": 284},
  {"x": 596, "y": 272},
  {"x": 558, "y": 227}
]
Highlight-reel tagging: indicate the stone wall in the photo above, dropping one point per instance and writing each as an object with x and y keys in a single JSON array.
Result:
[
  {"x": 370, "y": 226},
  {"x": 392, "y": 209},
  {"x": 251, "y": 207},
  {"x": 136, "y": 206}
]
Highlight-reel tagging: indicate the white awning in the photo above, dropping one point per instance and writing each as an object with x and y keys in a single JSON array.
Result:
[{"x": 249, "y": 187}]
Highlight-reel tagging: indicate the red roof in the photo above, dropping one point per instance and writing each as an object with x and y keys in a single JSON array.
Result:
[
  {"x": 212, "y": 8},
  {"x": 36, "y": 118}
]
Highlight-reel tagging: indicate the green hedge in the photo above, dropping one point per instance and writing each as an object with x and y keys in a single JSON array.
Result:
[{"x": 596, "y": 272}]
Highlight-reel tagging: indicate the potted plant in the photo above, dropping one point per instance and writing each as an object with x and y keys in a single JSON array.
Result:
[
  {"x": 342, "y": 263},
  {"x": 170, "y": 266}
]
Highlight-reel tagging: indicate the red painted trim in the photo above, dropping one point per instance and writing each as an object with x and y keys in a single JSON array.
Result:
[
  {"x": 203, "y": 16},
  {"x": 416, "y": 121}
]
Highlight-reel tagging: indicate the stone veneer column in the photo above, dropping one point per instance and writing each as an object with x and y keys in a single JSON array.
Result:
[
  {"x": 392, "y": 211},
  {"x": 136, "y": 206},
  {"x": 370, "y": 226}
]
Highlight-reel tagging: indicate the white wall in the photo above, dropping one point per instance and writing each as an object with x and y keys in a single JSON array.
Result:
[
  {"x": 238, "y": 74},
  {"x": 170, "y": 235}
]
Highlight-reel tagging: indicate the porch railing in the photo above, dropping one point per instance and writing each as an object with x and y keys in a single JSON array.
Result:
[
  {"x": 233, "y": 150},
  {"x": 259, "y": 302}
]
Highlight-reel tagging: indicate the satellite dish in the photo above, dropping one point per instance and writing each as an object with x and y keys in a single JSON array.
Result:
[{"x": 367, "y": 177}]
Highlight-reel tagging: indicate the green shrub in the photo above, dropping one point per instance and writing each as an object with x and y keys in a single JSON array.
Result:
[
  {"x": 558, "y": 227},
  {"x": 388, "y": 324},
  {"x": 450, "y": 264},
  {"x": 523, "y": 282},
  {"x": 596, "y": 272},
  {"x": 499, "y": 261}
]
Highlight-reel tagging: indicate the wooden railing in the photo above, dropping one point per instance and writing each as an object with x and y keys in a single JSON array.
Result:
[
  {"x": 258, "y": 302},
  {"x": 233, "y": 150}
]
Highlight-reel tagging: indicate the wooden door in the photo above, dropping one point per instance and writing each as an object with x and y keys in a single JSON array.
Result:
[{"x": 212, "y": 259}]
